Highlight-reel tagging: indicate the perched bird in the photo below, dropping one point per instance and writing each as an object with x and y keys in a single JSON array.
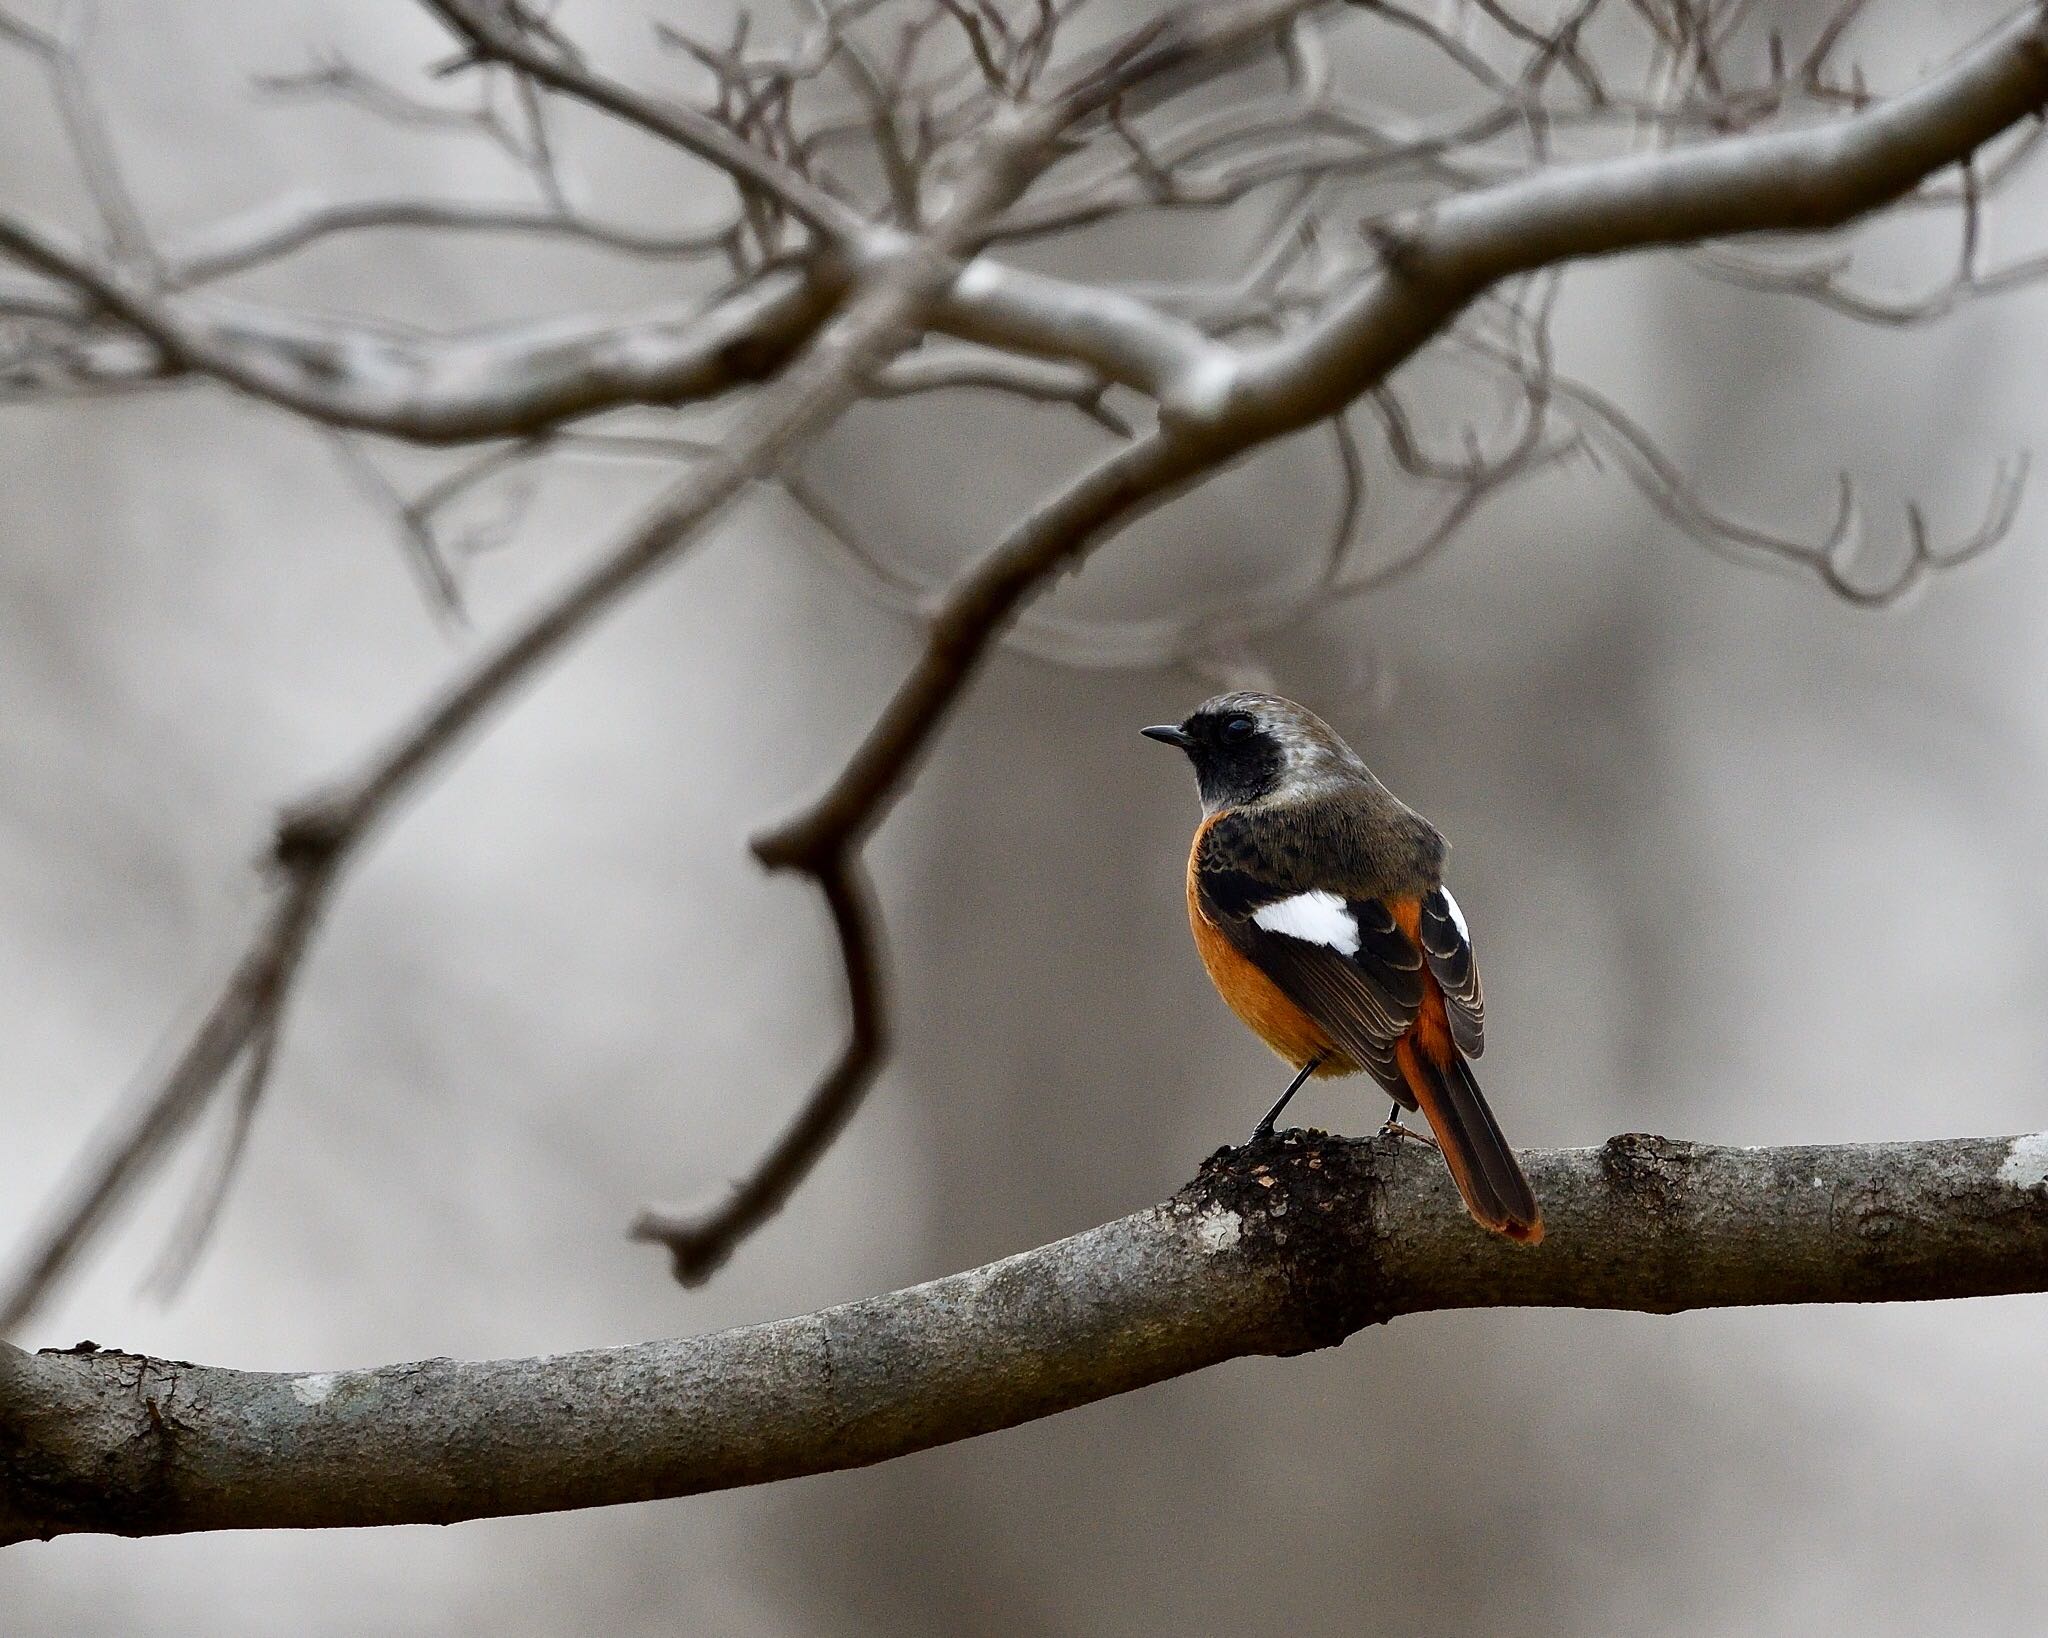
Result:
[{"x": 1318, "y": 905}]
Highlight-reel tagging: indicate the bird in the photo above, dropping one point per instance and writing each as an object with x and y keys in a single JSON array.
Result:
[{"x": 1320, "y": 912}]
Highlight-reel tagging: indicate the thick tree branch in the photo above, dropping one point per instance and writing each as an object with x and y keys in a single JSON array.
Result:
[
  {"x": 514, "y": 380},
  {"x": 1290, "y": 1245}
]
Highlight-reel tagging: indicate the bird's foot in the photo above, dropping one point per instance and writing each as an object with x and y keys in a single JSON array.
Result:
[{"x": 1394, "y": 1129}]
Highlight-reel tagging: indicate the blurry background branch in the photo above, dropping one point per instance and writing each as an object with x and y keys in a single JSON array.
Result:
[
  {"x": 1288, "y": 1245},
  {"x": 860, "y": 167}
]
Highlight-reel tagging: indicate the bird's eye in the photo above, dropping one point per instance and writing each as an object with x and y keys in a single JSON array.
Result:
[{"x": 1236, "y": 730}]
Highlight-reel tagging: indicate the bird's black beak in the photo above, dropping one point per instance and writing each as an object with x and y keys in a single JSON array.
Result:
[{"x": 1168, "y": 734}]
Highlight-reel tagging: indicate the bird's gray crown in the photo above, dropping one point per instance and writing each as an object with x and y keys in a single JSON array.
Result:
[{"x": 1313, "y": 756}]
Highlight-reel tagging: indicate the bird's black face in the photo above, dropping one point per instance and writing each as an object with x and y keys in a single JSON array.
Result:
[{"x": 1237, "y": 757}]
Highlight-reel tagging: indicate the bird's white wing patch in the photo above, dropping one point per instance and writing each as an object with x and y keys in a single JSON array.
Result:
[
  {"x": 1457, "y": 915},
  {"x": 1314, "y": 917}
]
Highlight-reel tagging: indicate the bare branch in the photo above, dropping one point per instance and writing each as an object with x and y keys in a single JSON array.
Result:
[
  {"x": 883, "y": 578},
  {"x": 1437, "y": 259},
  {"x": 1125, "y": 644},
  {"x": 506, "y": 381},
  {"x": 418, "y": 519},
  {"x": 1129, "y": 341},
  {"x": 202, "y": 1210},
  {"x": 158, "y": 1114},
  {"x": 27, "y": 36},
  {"x": 285, "y": 226},
  {"x": 700, "y": 1243},
  {"x": 120, "y": 217},
  {"x": 1823, "y": 282},
  {"x": 1832, "y": 560},
  {"x": 517, "y": 380},
  {"x": 1040, "y": 381},
  {"x": 1813, "y": 69},
  {"x": 336, "y": 77},
  {"x": 1290, "y": 1245},
  {"x": 1186, "y": 49},
  {"x": 414, "y": 519},
  {"x": 973, "y": 614}
]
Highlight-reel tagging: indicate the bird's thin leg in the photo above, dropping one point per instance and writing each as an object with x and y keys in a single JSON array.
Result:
[
  {"x": 1395, "y": 1129},
  {"x": 1265, "y": 1127}
]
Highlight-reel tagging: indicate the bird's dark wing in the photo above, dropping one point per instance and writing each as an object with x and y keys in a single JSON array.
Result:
[
  {"x": 1344, "y": 961},
  {"x": 1448, "y": 944}
]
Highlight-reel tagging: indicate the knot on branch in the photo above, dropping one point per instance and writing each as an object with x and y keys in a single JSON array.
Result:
[
  {"x": 1398, "y": 244},
  {"x": 800, "y": 845},
  {"x": 310, "y": 834},
  {"x": 1308, "y": 1205},
  {"x": 1651, "y": 1172},
  {"x": 755, "y": 358}
]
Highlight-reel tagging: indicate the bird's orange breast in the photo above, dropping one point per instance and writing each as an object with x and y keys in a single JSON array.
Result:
[{"x": 1254, "y": 997}]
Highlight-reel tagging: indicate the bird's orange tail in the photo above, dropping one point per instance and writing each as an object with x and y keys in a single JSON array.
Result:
[{"x": 1496, "y": 1192}]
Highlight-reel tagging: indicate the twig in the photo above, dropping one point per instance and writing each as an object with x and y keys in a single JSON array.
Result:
[
  {"x": 156, "y": 1115},
  {"x": 496, "y": 34},
  {"x": 973, "y": 613},
  {"x": 285, "y": 226},
  {"x": 119, "y": 215},
  {"x": 1830, "y": 560},
  {"x": 422, "y": 551},
  {"x": 882, "y": 577},
  {"x": 336, "y": 77},
  {"x": 512, "y": 382},
  {"x": 202, "y": 1209},
  {"x": 700, "y": 1242}
]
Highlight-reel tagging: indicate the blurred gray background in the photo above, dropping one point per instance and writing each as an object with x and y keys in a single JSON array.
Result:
[{"x": 1744, "y": 865}]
